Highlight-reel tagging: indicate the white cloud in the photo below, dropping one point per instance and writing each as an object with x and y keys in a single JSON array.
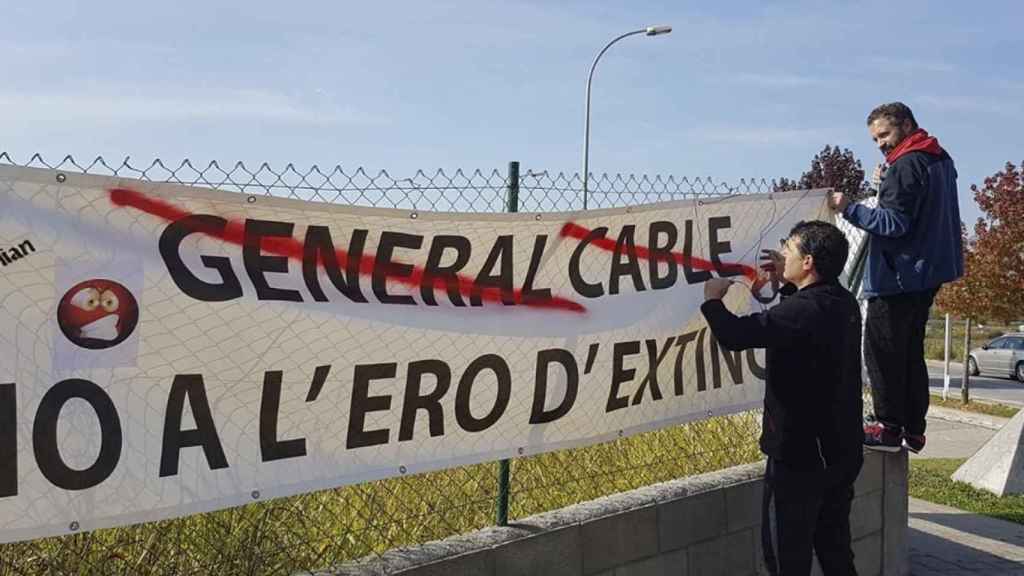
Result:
[
  {"x": 775, "y": 80},
  {"x": 967, "y": 104},
  {"x": 911, "y": 65},
  {"x": 757, "y": 136},
  {"x": 129, "y": 107}
]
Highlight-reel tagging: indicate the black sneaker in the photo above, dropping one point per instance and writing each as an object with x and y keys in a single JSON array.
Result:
[
  {"x": 878, "y": 437},
  {"x": 914, "y": 442}
]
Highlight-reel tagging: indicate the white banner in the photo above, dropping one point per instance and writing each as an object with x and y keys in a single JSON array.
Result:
[{"x": 167, "y": 350}]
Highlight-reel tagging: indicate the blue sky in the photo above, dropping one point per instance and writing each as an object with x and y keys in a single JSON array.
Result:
[{"x": 739, "y": 89}]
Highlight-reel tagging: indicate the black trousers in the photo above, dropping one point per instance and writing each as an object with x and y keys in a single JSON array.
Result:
[
  {"x": 894, "y": 354},
  {"x": 811, "y": 513}
]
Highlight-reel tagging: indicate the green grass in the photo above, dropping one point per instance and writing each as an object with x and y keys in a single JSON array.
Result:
[
  {"x": 329, "y": 527},
  {"x": 934, "y": 342},
  {"x": 930, "y": 480},
  {"x": 934, "y": 349},
  {"x": 990, "y": 408}
]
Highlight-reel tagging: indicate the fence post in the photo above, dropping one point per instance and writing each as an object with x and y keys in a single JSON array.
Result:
[
  {"x": 945, "y": 372},
  {"x": 512, "y": 202},
  {"x": 504, "y": 466},
  {"x": 965, "y": 383}
]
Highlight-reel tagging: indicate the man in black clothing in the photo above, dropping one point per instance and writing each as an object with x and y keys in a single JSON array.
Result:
[{"x": 812, "y": 428}]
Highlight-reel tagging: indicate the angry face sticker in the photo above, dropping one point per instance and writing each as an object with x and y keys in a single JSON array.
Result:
[{"x": 97, "y": 314}]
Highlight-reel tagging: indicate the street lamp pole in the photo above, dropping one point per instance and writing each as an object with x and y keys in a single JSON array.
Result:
[{"x": 649, "y": 31}]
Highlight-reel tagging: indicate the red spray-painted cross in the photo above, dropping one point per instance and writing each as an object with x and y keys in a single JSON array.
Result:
[{"x": 234, "y": 233}]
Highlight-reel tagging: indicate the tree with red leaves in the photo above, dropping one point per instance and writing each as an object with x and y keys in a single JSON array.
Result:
[
  {"x": 992, "y": 287},
  {"x": 993, "y": 284},
  {"x": 831, "y": 168}
]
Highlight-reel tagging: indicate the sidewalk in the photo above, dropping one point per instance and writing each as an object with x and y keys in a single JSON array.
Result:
[
  {"x": 948, "y": 541},
  {"x": 957, "y": 433}
]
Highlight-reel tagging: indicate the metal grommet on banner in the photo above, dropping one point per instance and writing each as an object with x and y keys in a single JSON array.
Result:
[
  {"x": 402, "y": 469},
  {"x": 414, "y": 215},
  {"x": 251, "y": 199},
  {"x": 700, "y": 202},
  {"x": 520, "y": 451},
  {"x": 537, "y": 217},
  {"x": 621, "y": 433},
  {"x": 73, "y": 526},
  {"x": 255, "y": 494},
  {"x": 61, "y": 177},
  {"x": 709, "y": 412}
]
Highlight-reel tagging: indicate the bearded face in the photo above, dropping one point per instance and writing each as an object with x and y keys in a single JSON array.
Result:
[{"x": 888, "y": 134}]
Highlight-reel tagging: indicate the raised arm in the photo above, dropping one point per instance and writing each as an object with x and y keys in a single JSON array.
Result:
[
  {"x": 898, "y": 201},
  {"x": 778, "y": 324}
]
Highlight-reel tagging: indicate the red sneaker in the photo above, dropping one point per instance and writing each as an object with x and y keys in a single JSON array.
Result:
[
  {"x": 914, "y": 442},
  {"x": 878, "y": 437}
]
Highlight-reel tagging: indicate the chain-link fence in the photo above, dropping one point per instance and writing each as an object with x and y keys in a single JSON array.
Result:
[
  {"x": 982, "y": 333},
  {"x": 457, "y": 191},
  {"x": 329, "y": 527}
]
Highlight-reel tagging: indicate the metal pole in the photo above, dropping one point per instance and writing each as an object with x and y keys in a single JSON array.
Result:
[
  {"x": 945, "y": 373},
  {"x": 586, "y": 129},
  {"x": 965, "y": 382},
  {"x": 504, "y": 479},
  {"x": 512, "y": 205},
  {"x": 505, "y": 466}
]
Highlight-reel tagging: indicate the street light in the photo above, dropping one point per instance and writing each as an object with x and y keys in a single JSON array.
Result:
[{"x": 649, "y": 31}]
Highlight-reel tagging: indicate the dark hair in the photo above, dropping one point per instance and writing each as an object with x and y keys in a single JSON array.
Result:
[
  {"x": 896, "y": 112},
  {"x": 826, "y": 244}
]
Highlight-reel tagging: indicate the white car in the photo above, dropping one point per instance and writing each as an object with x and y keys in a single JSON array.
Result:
[{"x": 1003, "y": 356}]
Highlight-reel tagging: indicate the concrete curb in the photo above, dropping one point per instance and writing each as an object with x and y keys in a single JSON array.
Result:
[
  {"x": 996, "y": 467},
  {"x": 473, "y": 553},
  {"x": 964, "y": 417},
  {"x": 942, "y": 364},
  {"x": 705, "y": 524}
]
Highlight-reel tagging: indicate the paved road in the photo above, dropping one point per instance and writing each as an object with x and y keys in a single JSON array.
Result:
[{"x": 1005, "y": 390}]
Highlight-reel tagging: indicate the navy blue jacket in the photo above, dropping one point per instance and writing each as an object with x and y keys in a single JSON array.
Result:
[{"x": 914, "y": 242}]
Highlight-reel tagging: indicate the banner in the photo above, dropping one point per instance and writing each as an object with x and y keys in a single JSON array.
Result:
[{"x": 167, "y": 350}]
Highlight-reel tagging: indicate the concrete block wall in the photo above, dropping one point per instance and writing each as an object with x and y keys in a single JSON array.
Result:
[{"x": 702, "y": 525}]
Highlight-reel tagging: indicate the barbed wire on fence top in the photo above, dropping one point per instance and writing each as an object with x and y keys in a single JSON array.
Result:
[{"x": 477, "y": 190}]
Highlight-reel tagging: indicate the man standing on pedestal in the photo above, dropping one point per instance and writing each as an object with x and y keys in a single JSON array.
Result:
[{"x": 914, "y": 246}]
